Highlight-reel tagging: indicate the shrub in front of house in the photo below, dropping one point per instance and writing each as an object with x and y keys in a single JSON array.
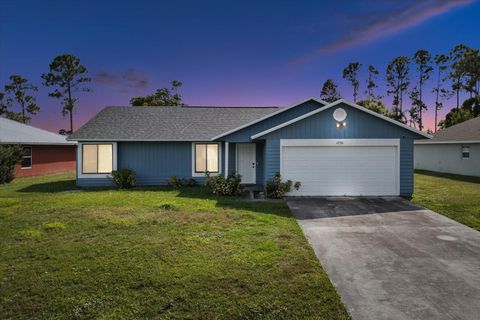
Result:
[
  {"x": 124, "y": 178},
  {"x": 177, "y": 183},
  {"x": 220, "y": 185},
  {"x": 10, "y": 155},
  {"x": 190, "y": 183},
  {"x": 276, "y": 188}
]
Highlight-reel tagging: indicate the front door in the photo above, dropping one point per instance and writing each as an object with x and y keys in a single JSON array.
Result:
[{"x": 246, "y": 162}]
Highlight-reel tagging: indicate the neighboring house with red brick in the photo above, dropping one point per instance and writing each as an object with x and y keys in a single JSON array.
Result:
[{"x": 44, "y": 152}]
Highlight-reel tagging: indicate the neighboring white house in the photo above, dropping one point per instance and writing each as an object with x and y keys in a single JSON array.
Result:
[{"x": 452, "y": 150}]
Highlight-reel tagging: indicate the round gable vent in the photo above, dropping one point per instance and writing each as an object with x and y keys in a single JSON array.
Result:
[{"x": 339, "y": 114}]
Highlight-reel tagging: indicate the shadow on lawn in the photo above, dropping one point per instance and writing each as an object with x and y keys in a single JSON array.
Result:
[
  {"x": 53, "y": 186},
  {"x": 277, "y": 207},
  {"x": 450, "y": 176}
]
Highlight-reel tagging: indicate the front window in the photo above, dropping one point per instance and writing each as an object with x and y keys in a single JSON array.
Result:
[
  {"x": 465, "y": 152},
  {"x": 97, "y": 158},
  {"x": 26, "y": 158},
  {"x": 206, "y": 157}
]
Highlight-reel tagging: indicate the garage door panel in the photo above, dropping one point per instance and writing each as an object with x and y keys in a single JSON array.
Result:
[{"x": 341, "y": 170}]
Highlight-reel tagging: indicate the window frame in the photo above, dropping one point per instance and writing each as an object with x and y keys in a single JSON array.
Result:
[
  {"x": 196, "y": 173},
  {"x": 462, "y": 152},
  {"x": 81, "y": 174},
  {"x": 96, "y": 144},
  {"x": 30, "y": 156}
]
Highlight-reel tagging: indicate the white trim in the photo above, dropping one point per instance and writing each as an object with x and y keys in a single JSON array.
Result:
[
  {"x": 80, "y": 174},
  {"x": 419, "y": 142},
  {"x": 270, "y": 115},
  {"x": 31, "y": 158},
  {"x": 345, "y": 143},
  {"x": 462, "y": 152},
  {"x": 226, "y": 159},
  {"x": 202, "y": 174},
  {"x": 351, "y": 104},
  {"x": 338, "y": 142}
]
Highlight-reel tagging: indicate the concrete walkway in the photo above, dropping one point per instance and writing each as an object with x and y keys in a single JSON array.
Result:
[{"x": 390, "y": 259}]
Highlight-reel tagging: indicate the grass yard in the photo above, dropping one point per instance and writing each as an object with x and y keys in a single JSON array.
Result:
[
  {"x": 118, "y": 255},
  {"x": 457, "y": 197}
]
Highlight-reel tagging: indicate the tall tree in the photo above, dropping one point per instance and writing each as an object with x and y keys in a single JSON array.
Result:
[
  {"x": 329, "y": 92},
  {"x": 455, "y": 116},
  {"x": 398, "y": 80},
  {"x": 441, "y": 64},
  {"x": 457, "y": 73},
  {"x": 371, "y": 84},
  {"x": 350, "y": 73},
  {"x": 422, "y": 60},
  {"x": 376, "y": 105},
  {"x": 471, "y": 66},
  {"x": 161, "y": 97},
  {"x": 68, "y": 75},
  {"x": 18, "y": 92}
]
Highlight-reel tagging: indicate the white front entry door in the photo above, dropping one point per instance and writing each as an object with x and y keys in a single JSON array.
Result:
[{"x": 246, "y": 162}]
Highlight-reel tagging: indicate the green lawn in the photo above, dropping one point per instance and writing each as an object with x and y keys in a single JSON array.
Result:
[
  {"x": 116, "y": 255},
  {"x": 457, "y": 197}
]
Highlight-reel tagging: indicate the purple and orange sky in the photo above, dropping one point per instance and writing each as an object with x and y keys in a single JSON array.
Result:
[{"x": 253, "y": 53}]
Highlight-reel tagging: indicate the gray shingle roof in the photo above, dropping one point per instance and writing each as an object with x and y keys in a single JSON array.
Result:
[
  {"x": 166, "y": 123},
  {"x": 465, "y": 131},
  {"x": 13, "y": 132}
]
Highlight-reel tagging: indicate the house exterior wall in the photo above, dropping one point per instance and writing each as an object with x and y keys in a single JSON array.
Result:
[
  {"x": 447, "y": 158},
  {"x": 360, "y": 125},
  {"x": 48, "y": 159},
  {"x": 244, "y": 134},
  {"x": 154, "y": 162}
]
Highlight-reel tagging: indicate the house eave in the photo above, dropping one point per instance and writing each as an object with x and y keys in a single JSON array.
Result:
[
  {"x": 269, "y": 116},
  {"x": 420, "y": 142},
  {"x": 328, "y": 106}
]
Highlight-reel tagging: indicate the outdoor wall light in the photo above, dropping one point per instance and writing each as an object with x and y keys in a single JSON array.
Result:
[{"x": 340, "y": 115}]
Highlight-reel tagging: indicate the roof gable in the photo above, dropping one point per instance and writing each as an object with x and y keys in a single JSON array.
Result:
[
  {"x": 13, "y": 132},
  {"x": 281, "y": 110},
  {"x": 419, "y": 133}
]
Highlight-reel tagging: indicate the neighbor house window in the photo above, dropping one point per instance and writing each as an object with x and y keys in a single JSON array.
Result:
[
  {"x": 465, "y": 152},
  {"x": 26, "y": 158},
  {"x": 206, "y": 157},
  {"x": 97, "y": 158}
]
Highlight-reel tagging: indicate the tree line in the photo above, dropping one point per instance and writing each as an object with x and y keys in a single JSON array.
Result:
[
  {"x": 452, "y": 75},
  {"x": 66, "y": 76}
]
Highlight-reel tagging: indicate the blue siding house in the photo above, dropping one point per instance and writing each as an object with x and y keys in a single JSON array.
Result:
[{"x": 333, "y": 149}]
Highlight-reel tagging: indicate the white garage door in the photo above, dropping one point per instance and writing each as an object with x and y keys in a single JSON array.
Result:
[{"x": 342, "y": 167}]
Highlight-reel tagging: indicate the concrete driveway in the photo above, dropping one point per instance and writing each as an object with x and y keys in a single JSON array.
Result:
[{"x": 390, "y": 259}]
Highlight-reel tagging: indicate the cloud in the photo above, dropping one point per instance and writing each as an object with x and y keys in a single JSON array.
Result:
[
  {"x": 126, "y": 81},
  {"x": 397, "y": 16}
]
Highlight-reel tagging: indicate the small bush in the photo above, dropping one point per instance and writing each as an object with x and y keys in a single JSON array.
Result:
[
  {"x": 167, "y": 207},
  {"x": 124, "y": 178},
  {"x": 175, "y": 182},
  {"x": 226, "y": 187},
  {"x": 190, "y": 183},
  {"x": 276, "y": 188},
  {"x": 10, "y": 155}
]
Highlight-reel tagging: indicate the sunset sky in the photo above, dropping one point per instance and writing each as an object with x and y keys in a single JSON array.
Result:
[{"x": 245, "y": 53}]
